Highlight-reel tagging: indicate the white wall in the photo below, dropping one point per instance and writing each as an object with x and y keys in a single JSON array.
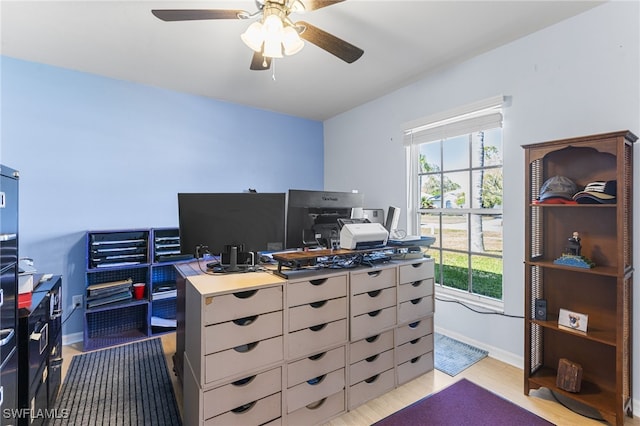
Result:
[{"x": 578, "y": 77}]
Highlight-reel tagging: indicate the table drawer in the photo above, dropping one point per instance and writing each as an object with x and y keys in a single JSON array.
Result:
[
  {"x": 370, "y": 388},
  {"x": 313, "y": 339},
  {"x": 414, "y": 309},
  {"x": 301, "y": 292},
  {"x": 316, "y": 365},
  {"x": 371, "y": 366},
  {"x": 372, "y": 300},
  {"x": 416, "y": 271},
  {"x": 242, "y": 304},
  {"x": 415, "y": 367},
  {"x": 254, "y": 413},
  {"x": 415, "y": 289},
  {"x": 371, "y": 323},
  {"x": 414, "y": 348},
  {"x": 362, "y": 282},
  {"x": 318, "y": 411},
  {"x": 413, "y": 330},
  {"x": 315, "y": 313},
  {"x": 240, "y": 392},
  {"x": 370, "y": 346},
  {"x": 230, "y": 334},
  {"x": 242, "y": 358},
  {"x": 315, "y": 389}
]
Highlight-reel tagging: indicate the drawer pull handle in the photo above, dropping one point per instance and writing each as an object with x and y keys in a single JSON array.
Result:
[
  {"x": 243, "y": 408},
  {"x": 317, "y": 327},
  {"x": 319, "y": 281},
  {"x": 372, "y": 338},
  {"x": 374, "y": 313},
  {"x": 372, "y": 358},
  {"x": 318, "y": 304},
  {"x": 414, "y": 341},
  {"x": 416, "y": 301},
  {"x": 317, "y": 404},
  {"x": 317, "y": 356},
  {"x": 414, "y": 324},
  {"x": 416, "y": 359},
  {"x": 244, "y": 381},
  {"x": 373, "y": 273},
  {"x": 416, "y": 265},
  {"x": 416, "y": 283},
  {"x": 246, "y": 348},
  {"x": 6, "y": 335},
  {"x": 245, "y": 321},
  {"x": 372, "y": 379},
  {"x": 316, "y": 380},
  {"x": 374, "y": 293},
  {"x": 245, "y": 294}
]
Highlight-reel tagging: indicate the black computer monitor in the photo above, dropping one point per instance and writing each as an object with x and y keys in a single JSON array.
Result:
[
  {"x": 312, "y": 216},
  {"x": 249, "y": 221}
]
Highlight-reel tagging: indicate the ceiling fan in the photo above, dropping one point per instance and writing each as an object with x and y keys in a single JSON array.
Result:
[{"x": 273, "y": 32}]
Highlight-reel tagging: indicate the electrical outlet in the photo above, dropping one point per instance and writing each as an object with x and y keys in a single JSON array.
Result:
[{"x": 76, "y": 301}]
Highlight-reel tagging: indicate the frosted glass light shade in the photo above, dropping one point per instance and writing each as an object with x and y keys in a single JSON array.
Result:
[
  {"x": 291, "y": 41},
  {"x": 273, "y": 47},
  {"x": 253, "y": 36}
]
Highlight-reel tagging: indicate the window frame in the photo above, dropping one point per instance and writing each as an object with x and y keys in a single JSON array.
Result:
[{"x": 451, "y": 120}]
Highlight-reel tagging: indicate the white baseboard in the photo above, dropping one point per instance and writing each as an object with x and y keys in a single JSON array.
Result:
[
  {"x": 497, "y": 353},
  {"x": 68, "y": 339}
]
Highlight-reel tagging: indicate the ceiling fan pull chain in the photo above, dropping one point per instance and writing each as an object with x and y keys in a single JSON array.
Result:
[{"x": 273, "y": 69}]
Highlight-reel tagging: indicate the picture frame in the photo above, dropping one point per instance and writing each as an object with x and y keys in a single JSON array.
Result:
[{"x": 573, "y": 320}]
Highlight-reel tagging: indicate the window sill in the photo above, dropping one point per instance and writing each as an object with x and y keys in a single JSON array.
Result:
[{"x": 473, "y": 300}]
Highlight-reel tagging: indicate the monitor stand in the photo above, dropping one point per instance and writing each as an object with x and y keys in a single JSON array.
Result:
[{"x": 233, "y": 260}]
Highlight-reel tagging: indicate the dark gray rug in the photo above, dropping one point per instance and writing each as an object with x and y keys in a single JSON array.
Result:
[
  {"x": 125, "y": 385},
  {"x": 453, "y": 356}
]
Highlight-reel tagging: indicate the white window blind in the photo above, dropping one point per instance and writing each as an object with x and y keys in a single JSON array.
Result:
[{"x": 481, "y": 115}]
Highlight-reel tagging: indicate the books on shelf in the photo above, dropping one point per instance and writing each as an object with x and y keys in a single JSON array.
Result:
[
  {"x": 159, "y": 295},
  {"x": 109, "y": 292},
  {"x": 163, "y": 322}
]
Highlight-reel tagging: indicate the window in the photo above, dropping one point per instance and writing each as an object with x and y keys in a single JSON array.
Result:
[{"x": 455, "y": 181}]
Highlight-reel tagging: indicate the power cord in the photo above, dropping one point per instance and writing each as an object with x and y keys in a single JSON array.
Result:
[
  {"x": 75, "y": 308},
  {"x": 477, "y": 311}
]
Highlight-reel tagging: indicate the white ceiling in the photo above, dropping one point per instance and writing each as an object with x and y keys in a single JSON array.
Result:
[{"x": 402, "y": 40}]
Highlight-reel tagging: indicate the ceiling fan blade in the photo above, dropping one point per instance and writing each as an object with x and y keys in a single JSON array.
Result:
[
  {"x": 332, "y": 44},
  {"x": 194, "y": 15},
  {"x": 318, "y": 4},
  {"x": 259, "y": 62}
]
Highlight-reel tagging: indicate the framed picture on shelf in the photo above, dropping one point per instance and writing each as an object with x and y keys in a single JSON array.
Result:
[{"x": 573, "y": 320}]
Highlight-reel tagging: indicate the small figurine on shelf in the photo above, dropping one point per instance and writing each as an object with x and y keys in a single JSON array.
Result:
[
  {"x": 573, "y": 246},
  {"x": 572, "y": 254}
]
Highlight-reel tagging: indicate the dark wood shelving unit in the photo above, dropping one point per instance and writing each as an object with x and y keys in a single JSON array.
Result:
[{"x": 603, "y": 292}]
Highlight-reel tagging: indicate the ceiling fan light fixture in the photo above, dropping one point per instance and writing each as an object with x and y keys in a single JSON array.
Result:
[
  {"x": 291, "y": 41},
  {"x": 272, "y": 47},
  {"x": 272, "y": 26},
  {"x": 254, "y": 36}
]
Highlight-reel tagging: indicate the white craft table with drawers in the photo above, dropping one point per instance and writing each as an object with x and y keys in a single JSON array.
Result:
[{"x": 256, "y": 348}]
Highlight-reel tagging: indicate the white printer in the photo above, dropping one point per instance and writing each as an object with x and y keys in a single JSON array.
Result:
[{"x": 363, "y": 236}]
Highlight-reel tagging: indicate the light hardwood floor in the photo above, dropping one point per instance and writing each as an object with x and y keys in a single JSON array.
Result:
[{"x": 496, "y": 376}]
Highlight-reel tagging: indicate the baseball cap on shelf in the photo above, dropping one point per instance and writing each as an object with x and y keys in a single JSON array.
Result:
[
  {"x": 558, "y": 188},
  {"x": 599, "y": 192}
]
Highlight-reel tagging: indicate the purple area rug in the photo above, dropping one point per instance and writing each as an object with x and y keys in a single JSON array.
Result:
[{"x": 463, "y": 403}]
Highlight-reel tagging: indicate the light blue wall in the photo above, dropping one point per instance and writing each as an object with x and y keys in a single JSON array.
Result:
[{"x": 97, "y": 153}]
